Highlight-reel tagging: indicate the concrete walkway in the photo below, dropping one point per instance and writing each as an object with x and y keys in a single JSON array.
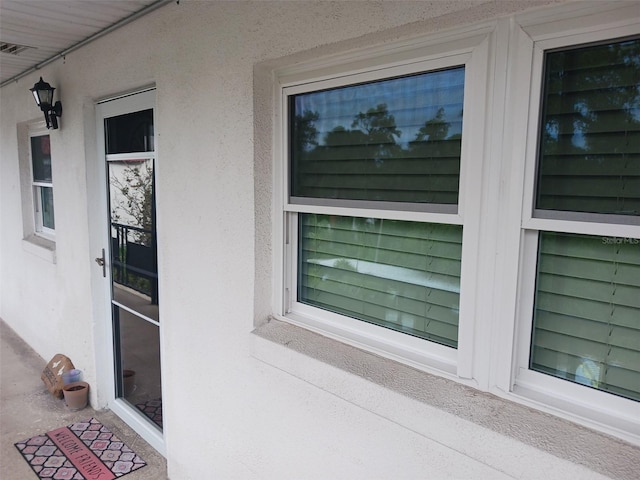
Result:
[
  {"x": 497, "y": 439},
  {"x": 27, "y": 409}
]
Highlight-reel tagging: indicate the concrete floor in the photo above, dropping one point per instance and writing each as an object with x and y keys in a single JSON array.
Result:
[{"x": 27, "y": 409}]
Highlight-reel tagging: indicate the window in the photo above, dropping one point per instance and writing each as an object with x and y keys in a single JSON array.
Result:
[
  {"x": 578, "y": 347},
  {"x": 374, "y": 209},
  {"x": 381, "y": 142},
  {"x": 586, "y": 326},
  {"x": 42, "y": 183}
]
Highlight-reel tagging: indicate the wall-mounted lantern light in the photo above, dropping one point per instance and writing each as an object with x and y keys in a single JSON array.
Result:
[{"x": 43, "y": 93}]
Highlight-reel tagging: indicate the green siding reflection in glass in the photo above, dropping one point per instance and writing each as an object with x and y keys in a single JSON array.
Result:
[
  {"x": 587, "y": 311},
  {"x": 590, "y": 133},
  {"x": 393, "y": 140},
  {"x": 400, "y": 275}
]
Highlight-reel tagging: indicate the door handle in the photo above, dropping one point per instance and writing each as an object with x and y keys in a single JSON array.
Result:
[{"x": 100, "y": 261}]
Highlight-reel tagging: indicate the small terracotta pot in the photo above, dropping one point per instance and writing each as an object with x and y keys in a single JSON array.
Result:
[
  {"x": 76, "y": 395},
  {"x": 129, "y": 380}
]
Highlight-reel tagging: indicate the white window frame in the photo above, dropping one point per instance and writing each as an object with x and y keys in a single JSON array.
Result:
[
  {"x": 470, "y": 49},
  {"x": 596, "y": 408},
  {"x": 38, "y": 130}
]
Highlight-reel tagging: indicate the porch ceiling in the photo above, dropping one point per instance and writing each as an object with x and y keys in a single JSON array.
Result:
[{"x": 34, "y": 33}]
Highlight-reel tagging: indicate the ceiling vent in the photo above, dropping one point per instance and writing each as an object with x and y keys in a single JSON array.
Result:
[{"x": 12, "y": 48}]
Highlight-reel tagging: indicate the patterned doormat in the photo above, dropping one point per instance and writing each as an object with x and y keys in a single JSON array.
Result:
[{"x": 82, "y": 451}]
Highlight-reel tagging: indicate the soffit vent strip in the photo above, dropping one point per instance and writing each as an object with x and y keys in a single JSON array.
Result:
[{"x": 13, "y": 48}]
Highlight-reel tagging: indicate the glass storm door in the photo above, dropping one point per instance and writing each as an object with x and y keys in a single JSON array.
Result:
[{"x": 130, "y": 173}]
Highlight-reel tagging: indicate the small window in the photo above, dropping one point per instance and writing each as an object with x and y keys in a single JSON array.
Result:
[
  {"x": 42, "y": 184},
  {"x": 589, "y": 146}
]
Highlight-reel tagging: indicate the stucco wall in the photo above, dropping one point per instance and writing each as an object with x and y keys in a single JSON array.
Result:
[{"x": 243, "y": 418}]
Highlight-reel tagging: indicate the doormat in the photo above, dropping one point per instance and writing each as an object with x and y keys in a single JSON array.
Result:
[
  {"x": 82, "y": 451},
  {"x": 152, "y": 409}
]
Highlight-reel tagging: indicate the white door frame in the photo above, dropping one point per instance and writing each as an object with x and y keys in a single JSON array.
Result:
[{"x": 99, "y": 238}]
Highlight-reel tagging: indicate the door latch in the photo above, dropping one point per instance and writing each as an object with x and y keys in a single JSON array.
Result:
[{"x": 100, "y": 261}]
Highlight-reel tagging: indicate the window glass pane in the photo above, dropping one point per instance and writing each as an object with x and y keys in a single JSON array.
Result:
[
  {"x": 133, "y": 233},
  {"x": 46, "y": 194},
  {"x": 587, "y": 311},
  {"x": 394, "y": 140},
  {"x": 401, "y": 275},
  {"x": 132, "y": 132},
  {"x": 41, "y": 158},
  {"x": 590, "y": 131}
]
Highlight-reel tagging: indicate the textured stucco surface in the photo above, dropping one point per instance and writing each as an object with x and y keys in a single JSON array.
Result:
[{"x": 566, "y": 440}]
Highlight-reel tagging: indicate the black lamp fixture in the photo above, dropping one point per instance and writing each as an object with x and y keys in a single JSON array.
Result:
[{"x": 43, "y": 93}]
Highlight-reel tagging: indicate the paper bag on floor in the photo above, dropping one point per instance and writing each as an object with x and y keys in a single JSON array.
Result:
[{"x": 52, "y": 374}]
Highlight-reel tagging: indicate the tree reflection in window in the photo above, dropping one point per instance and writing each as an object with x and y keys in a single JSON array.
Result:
[
  {"x": 590, "y": 135},
  {"x": 396, "y": 140}
]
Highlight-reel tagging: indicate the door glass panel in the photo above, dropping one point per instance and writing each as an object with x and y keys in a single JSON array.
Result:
[
  {"x": 132, "y": 132},
  {"x": 134, "y": 265},
  {"x": 139, "y": 377},
  {"x": 133, "y": 239}
]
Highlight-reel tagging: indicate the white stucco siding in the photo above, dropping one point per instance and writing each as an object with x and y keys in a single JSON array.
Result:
[{"x": 227, "y": 414}]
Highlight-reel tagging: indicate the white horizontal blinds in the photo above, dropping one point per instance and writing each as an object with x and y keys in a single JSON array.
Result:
[
  {"x": 587, "y": 311},
  {"x": 396, "y": 140},
  {"x": 590, "y": 130},
  {"x": 397, "y": 274}
]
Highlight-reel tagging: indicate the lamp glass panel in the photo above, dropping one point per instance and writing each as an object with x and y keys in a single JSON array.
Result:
[
  {"x": 48, "y": 96},
  {"x": 45, "y": 95}
]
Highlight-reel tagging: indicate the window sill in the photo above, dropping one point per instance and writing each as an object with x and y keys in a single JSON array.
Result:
[
  {"x": 40, "y": 247},
  {"x": 297, "y": 351}
]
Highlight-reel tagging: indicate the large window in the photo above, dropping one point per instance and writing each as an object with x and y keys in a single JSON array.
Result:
[
  {"x": 374, "y": 208},
  {"x": 42, "y": 183},
  {"x": 586, "y": 316}
]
